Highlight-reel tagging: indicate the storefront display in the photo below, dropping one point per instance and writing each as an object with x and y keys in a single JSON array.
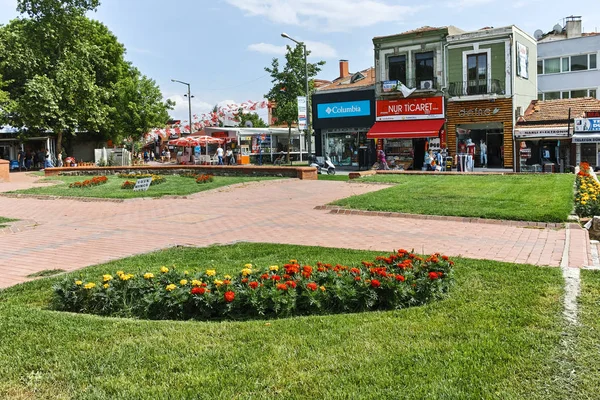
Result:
[{"x": 587, "y": 138}]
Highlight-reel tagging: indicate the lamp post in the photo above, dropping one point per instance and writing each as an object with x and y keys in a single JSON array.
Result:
[
  {"x": 189, "y": 96},
  {"x": 308, "y": 130}
]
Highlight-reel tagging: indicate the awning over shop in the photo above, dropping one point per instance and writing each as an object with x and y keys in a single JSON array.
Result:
[
  {"x": 586, "y": 138},
  {"x": 542, "y": 133},
  {"x": 412, "y": 129}
]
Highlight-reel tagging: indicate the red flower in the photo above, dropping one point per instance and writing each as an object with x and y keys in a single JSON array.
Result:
[
  {"x": 245, "y": 280},
  {"x": 226, "y": 282},
  {"x": 281, "y": 286},
  {"x": 400, "y": 278},
  {"x": 253, "y": 284},
  {"x": 445, "y": 258},
  {"x": 355, "y": 271},
  {"x": 321, "y": 269},
  {"x": 433, "y": 275},
  {"x": 198, "y": 290},
  {"x": 276, "y": 278},
  {"x": 357, "y": 278},
  {"x": 229, "y": 296},
  {"x": 312, "y": 286},
  {"x": 291, "y": 284},
  {"x": 264, "y": 276},
  {"x": 375, "y": 283},
  {"x": 286, "y": 276},
  {"x": 203, "y": 284}
]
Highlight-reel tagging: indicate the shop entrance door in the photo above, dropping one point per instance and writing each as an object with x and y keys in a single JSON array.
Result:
[
  {"x": 495, "y": 150},
  {"x": 419, "y": 160},
  {"x": 588, "y": 153}
]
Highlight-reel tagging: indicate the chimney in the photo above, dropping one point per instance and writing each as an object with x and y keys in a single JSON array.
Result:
[
  {"x": 573, "y": 27},
  {"x": 344, "y": 72}
]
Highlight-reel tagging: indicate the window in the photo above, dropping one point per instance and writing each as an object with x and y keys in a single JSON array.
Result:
[
  {"x": 551, "y": 95},
  {"x": 552, "y": 66},
  {"x": 579, "y": 63},
  {"x": 565, "y": 64},
  {"x": 477, "y": 73},
  {"x": 564, "y": 95},
  {"x": 593, "y": 61},
  {"x": 593, "y": 93},
  {"x": 540, "y": 67},
  {"x": 397, "y": 68},
  {"x": 423, "y": 67},
  {"x": 579, "y": 93},
  {"x": 540, "y": 96}
]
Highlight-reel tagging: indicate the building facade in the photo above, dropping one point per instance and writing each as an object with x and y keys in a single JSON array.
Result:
[
  {"x": 567, "y": 62},
  {"x": 491, "y": 78},
  {"x": 343, "y": 112}
]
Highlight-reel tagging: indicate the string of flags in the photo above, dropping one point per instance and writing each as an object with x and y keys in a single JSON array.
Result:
[{"x": 213, "y": 118}]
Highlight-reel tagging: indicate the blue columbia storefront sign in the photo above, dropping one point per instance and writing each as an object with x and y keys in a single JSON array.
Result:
[{"x": 359, "y": 108}]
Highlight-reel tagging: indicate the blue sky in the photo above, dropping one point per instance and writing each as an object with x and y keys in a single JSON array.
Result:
[{"x": 222, "y": 46}]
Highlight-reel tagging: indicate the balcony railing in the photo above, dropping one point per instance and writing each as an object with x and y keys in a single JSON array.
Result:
[
  {"x": 428, "y": 84},
  {"x": 476, "y": 87}
]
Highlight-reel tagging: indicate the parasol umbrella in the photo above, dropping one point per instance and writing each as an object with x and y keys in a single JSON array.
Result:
[{"x": 206, "y": 140}]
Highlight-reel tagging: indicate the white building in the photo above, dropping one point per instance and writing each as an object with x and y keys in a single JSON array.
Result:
[{"x": 568, "y": 62}]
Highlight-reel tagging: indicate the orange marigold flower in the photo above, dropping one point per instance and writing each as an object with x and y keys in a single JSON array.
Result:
[
  {"x": 291, "y": 284},
  {"x": 253, "y": 284},
  {"x": 400, "y": 278},
  {"x": 312, "y": 286},
  {"x": 375, "y": 283},
  {"x": 229, "y": 296},
  {"x": 281, "y": 286}
]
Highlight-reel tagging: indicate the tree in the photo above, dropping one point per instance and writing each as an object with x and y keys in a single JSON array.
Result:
[
  {"x": 67, "y": 74},
  {"x": 5, "y": 103},
  {"x": 256, "y": 120},
  {"x": 288, "y": 84}
]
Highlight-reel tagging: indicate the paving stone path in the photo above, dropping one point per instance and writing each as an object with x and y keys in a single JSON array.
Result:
[{"x": 70, "y": 234}]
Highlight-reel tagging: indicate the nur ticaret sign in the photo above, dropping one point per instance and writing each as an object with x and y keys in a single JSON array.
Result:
[{"x": 411, "y": 108}]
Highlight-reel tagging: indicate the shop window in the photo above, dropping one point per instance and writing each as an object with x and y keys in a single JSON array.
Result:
[
  {"x": 540, "y": 66},
  {"x": 551, "y": 95},
  {"x": 423, "y": 67},
  {"x": 578, "y": 93},
  {"x": 477, "y": 73},
  {"x": 593, "y": 64},
  {"x": 397, "y": 68},
  {"x": 552, "y": 66},
  {"x": 579, "y": 63}
]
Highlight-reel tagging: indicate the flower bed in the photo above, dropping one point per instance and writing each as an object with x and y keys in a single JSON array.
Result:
[
  {"x": 587, "y": 196},
  {"x": 128, "y": 185},
  {"x": 95, "y": 181},
  {"x": 204, "y": 178},
  {"x": 156, "y": 179},
  {"x": 396, "y": 281}
]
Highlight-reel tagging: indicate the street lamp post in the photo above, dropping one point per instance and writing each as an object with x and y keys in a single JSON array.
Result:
[
  {"x": 308, "y": 123},
  {"x": 189, "y": 96}
]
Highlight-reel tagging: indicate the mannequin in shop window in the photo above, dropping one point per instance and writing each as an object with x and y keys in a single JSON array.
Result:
[
  {"x": 470, "y": 147},
  {"x": 462, "y": 147},
  {"x": 483, "y": 153}
]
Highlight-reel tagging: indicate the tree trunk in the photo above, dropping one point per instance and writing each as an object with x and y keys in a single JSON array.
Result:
[
  {"x": 59, "y": 137},
  {"x": 289, "y": 143}
]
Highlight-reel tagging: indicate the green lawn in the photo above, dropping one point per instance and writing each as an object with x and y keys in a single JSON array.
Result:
[
  {"x": 496, "y": 337},
  {"x": 3, "y": 221},
  {"x": 174, "y": 186},
  {"x": 545, "y": 198}
]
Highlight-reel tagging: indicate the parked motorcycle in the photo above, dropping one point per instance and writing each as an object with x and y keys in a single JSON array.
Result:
[{"x": 322, "y": 164}]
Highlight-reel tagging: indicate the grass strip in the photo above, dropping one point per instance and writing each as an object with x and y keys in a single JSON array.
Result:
[
  {"x": 540, "y": 198},
  {"x": 494, "y": 338}
]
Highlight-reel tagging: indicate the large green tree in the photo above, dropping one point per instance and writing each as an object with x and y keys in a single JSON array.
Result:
[
  {"x": 257, "y": 121},
  {"x": 67, "y": 74}
]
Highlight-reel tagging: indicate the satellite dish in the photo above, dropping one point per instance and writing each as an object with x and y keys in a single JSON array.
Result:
[
  {"x": 557, "y": 28},
  {"x": 248, "y": 124},
  {"x": 538, "y": 34}
]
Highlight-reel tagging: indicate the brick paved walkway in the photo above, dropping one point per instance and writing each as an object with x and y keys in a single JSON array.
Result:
[{"x": 71, "y": 234}]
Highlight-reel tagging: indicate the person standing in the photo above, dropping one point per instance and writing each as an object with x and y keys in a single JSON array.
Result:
[
  {"x": 59, "y": 160},
  {"x": 229, "y": 156},
  {"x": 220, "y": 155},
  {"x": 21, "y": 158}
]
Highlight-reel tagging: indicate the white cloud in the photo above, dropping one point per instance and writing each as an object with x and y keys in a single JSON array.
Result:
[
  {"x": 317, "y": 49},
  {"x": 467, "y": 3},
  {"x": 330, "y": 15},
  {"x": 181, "y": 110}
]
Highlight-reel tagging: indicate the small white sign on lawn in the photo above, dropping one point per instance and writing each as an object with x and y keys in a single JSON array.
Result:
[{"x": 142, "y": 184}]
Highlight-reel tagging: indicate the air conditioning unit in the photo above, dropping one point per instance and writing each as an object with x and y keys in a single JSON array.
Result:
[{"x": 427, "y": 85}]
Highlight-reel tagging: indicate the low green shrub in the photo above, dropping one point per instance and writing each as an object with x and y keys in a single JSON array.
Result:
[{"x": 401, "y": 279}]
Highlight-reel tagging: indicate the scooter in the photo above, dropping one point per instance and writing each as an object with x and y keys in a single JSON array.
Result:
[{"x": 326, "y": 165}]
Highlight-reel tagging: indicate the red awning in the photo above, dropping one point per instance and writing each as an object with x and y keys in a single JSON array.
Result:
[{"x": 412, "y": 129}]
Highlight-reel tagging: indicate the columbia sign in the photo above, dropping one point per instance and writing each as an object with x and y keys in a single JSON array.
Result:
[{"x": 345, "y": 109}]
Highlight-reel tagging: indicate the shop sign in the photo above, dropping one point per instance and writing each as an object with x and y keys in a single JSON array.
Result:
[
  {"x": 220, "y": 135},
  {"x": 532, "y": 133},
  {"x": 301, "y": 112},
  {"x": 434, "y": 144},
  {"x": 592, "y": 114},
  {"x": 410, "y": 109},
  {"x": 359, "y": 108},
  {"x": 586, "y": 138},
  {"x": 478, "y": 112},
  {"x": 587, "y": 124}
]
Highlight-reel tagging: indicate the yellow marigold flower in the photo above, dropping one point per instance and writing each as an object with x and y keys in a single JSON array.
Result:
[
  {"x": 106, "y": 286},
  {"x": 126, "y": 277},
  {"x": 246, "y": 271},
  {"x": 248, "y": 265},
  {"x": 107, "y": 278},
  {"x": 274, "y": 268},
  {"x": 196, "y": 282},
  {"x": 322, "y": 288},
  {"x": 183, "y": 282},
  {"x": 293, "y": 261},
  {"x": 78, "y": 283},
  {"x": 148, "y": 275},
  {"x": 171, "y": 287},
  {"x": 120, "y": 273},
  {"x": 227, "y": 277},
  {"x": 90, "y": 285},
  {"x": 164, "y": 269},
  {"x": 211, "y": 272},
  {"x": 185, "y": 272},
  {"x": 218, "y": 282},
  {"x": 583, "y": 202}
]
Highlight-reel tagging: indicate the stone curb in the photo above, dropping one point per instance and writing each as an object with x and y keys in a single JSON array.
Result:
[
  {"x": 18, "y": 226},
  {"x": 472, "y": 220},
  {"x": 51, "y": 197}
]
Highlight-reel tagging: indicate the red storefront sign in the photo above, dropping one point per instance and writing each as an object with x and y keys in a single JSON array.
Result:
[{"x": 412, "y": 108}]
